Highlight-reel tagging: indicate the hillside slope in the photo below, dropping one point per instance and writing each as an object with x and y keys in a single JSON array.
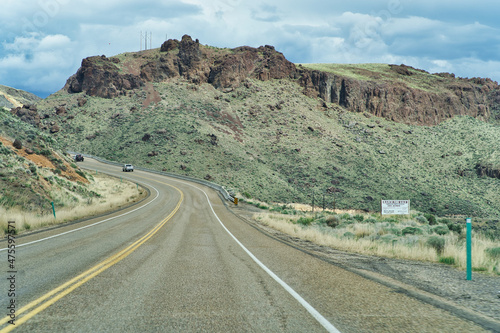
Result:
[
  {"x": 11, "y": 97},
  {"x": 33, "y": 173},
  {"x": 263, "y": 127}
]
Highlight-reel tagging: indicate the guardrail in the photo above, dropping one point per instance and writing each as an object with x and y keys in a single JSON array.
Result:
[{"x": 214, "y": 186}]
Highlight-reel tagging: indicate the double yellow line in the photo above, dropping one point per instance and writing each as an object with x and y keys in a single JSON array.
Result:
[{"x": 56, "y": 294}]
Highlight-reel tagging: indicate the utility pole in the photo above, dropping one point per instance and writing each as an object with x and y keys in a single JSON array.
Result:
[{"x": 144, "y": 39}]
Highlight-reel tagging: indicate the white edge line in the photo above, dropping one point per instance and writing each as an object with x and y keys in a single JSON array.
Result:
[
  {"x": 90, "y": 225},
  {"x": 322, "y": 320}
]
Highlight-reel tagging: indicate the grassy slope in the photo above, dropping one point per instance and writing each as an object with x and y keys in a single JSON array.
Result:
[
  {"x": 275, "y": 144},
  {"x": 11, "y": 97},
  {"x": 382, "y": 72}
]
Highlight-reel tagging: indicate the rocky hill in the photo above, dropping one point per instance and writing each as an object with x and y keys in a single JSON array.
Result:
[
  {"x": 266, "y": 128},
  {"x": 398, "y": 93}
]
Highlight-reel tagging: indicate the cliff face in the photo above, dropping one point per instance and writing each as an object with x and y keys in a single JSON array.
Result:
[
  {"x": 393, "y": 97},
  {"x": 398, "y": 101}
]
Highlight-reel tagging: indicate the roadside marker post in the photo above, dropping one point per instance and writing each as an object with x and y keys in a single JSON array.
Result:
[
  {"x": 469, "y": 248},
  {"x": 53, "y": 209}
]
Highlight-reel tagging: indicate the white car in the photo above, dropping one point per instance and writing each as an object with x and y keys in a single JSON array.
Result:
[{"x": 128, "y": 167}]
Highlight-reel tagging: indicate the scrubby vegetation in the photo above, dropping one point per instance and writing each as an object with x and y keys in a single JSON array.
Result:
[
  {"x": 100, "y": 196},
  {"x": 34, "y": 173},
  {"x": 268, "y": 141},
  {"x": 406, "y": 237}
]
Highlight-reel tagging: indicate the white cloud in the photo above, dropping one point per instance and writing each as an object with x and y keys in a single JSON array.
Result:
[{"x": 455, "y": 36}]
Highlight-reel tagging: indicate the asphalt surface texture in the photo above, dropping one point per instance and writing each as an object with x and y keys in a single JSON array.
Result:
[{"x": 181, "y": 261}]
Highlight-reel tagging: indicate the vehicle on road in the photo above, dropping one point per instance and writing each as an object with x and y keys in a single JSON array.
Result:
[
  {"x": 128, "y": 167},
  {"x": 78, "y": 158}
]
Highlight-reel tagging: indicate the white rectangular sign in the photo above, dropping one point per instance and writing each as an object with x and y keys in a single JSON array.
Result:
[{"x": 395, "y": 207}]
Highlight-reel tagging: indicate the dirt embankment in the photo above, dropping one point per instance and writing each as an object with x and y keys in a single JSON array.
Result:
[{"x": 43, "y": 161}]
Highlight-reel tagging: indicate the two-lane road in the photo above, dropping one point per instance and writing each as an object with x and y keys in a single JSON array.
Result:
[{"x": 181, "y": 262}]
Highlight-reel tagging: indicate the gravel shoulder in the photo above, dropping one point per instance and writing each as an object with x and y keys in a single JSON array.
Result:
[{"x": 443, "y": 286}]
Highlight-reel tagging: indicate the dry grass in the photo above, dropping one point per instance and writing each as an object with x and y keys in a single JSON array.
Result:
[
  {"x": 362, "y": 238},
  {"x": 114, "y": 194}
]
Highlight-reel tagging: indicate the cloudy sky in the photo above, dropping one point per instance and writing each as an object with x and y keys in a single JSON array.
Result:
[{"x": 42, "y": 42}]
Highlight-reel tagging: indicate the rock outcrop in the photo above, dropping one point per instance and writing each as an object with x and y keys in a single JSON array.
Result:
[
  {"x": 28, "y": 114},
  {"x": 488, "y": 171},
  {"x": 99, "y": 76},
  {"x": 198, "y": 64}
]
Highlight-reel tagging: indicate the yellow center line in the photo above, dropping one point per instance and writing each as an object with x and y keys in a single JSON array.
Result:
[{"x": 77, "y": 281}]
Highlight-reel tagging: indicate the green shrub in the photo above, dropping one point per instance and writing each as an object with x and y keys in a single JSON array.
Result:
[
  {"x": 431, "y": 218},
  {"x": 441, "y": 230},
  {"x": 345, "y": 216},
  {"x": 46, "y": 152},
  {"x": 437, "y": 243},
  {"x": 81, "y": 173},
  {"x": 394, "y": 231},
  {"x": 332, "y": 221},
  {"x": 447, "y": 260},
  {"x": 411, "y": 231},
  {"x": 349, "y": 235},
  {"x": 262, "y": 206},
  {"x": 494, "y": 252},
  {"x": 421, "y": 219},
  {"x": 479, "y": 269},
  {"x": 371, "y": 220},
  {"x": 305, "y": 220},
  {"x": 359, "y": 217},
  {"x": 454, "y": 227},
  {"x": 389, "y": 238}
]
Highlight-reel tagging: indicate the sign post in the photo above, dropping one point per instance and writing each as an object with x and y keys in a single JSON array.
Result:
[
  {"x": 395, "y": 207},
  {"x": 469, "y": 248}
]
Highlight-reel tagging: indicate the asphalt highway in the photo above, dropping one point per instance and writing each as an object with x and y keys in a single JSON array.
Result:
[{"x": 180, "y": 261}]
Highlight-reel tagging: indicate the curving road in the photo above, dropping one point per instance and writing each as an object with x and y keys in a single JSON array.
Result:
[{"x": 180, "y": 261}]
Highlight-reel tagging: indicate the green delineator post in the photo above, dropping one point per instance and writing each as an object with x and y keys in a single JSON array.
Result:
[
  {"x": 53, "y": 209},
  {"x": 469, "y": 248}
]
